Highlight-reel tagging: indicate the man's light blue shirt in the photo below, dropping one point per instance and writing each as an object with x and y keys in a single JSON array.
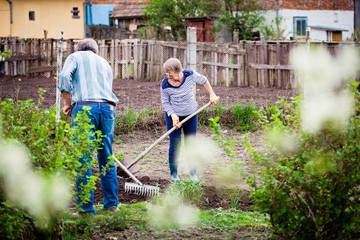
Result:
[{"x": 88, "y": 77}]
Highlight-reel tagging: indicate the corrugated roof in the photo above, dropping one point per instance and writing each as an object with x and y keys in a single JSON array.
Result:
[{"x": 128, "y": 10}]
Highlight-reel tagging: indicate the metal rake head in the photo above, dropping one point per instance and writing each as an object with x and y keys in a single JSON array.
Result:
[{"x": 141, "y": 189}]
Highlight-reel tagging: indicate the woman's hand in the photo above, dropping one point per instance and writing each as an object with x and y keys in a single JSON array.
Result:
[
  {"x": 214, "y": 99},
  {"x": 175, "y": 120}
]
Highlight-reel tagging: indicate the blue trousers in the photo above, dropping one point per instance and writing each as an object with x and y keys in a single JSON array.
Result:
[
  {"x": 103, "y": 119},
  {"x": 190, "y": 129}
]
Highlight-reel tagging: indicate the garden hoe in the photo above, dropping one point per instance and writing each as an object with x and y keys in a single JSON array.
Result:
[
  {"x": 137, "y": 188},
  {"x": 130, "y": 164}
]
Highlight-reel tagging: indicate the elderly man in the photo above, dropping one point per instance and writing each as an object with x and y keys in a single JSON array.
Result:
[{"x": 86, "y": 80}]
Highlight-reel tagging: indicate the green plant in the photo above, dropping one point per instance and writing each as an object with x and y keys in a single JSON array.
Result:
[
  {"x": 202, "y": 117},
  {"x": 242, "y": 16},
  {"x": 235, "y": 200},
  {"x": 4, "y": 55},
  {"x": 190, "y": 191},
  {"x": 126, "y": 122},
  {"x": 222, "y": 141},
  {"x": 310, "y": 192},
  {"x": 129, "y": 120},
  {"x": 52, "y": 151},
  {"x": 243, "y": 117},
  {"x": 162, "y": 13},
  {"x": 219, "y": 110},
  {"x": 271, "y": 33},
  {"x": 15, "y": 223}
]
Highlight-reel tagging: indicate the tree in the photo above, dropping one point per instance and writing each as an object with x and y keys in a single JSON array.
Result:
[
  {"x": 243, "y": 16},
  {"x": 163, "y": 13}
]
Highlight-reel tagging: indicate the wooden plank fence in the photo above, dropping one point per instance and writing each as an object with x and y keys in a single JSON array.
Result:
[{"x": 243, "y": 64}]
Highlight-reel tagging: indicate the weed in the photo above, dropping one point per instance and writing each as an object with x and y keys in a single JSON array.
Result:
[
  {"x": 219, "y": 110},
  {"x": 243, "y": 118},
  {"x": 235, "y": 200},
  {"x": 202, "y": 117},
  {"x": 190, "y": 191},
  {"x": 129, "y": 120},
  {"x": 126, "y": 122}
]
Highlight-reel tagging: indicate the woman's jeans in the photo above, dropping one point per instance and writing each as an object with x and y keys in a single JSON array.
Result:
[
  {"x": 103, "y": 119},
  {"x": 190, "y": 129}
]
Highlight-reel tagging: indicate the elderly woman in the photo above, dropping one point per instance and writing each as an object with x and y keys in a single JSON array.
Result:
[{"x": 178, "y": 100}]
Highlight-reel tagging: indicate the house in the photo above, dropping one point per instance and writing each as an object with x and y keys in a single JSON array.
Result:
[
  {"x": 42, "y": 18},
  {"x": 203, "y": 25},
  {"x": 128, "y": 15},
  {"x": 108, "y": 18},
  {"x": 321, "y": 20}
]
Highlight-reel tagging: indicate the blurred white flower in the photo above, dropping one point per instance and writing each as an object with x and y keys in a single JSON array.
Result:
[
  {"x": 41, "y": 196},
  {"x": 322, "y": 77},
  {"x": 199, "y": 151},
  {"x": 283, "y": 141},
  {"x": 169, "y": 211},
  {"x": 324, "y": 109}
]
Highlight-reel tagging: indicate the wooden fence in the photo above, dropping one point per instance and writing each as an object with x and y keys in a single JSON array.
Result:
[{"x": 256, "y": 64}]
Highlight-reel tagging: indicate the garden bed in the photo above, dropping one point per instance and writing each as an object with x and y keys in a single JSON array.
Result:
[{"x": 139, "y": 95}]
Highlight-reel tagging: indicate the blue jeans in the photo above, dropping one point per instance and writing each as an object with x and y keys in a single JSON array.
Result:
[
  {"x": 190, "y": 129},
  {"x": 103, "y": 119}
]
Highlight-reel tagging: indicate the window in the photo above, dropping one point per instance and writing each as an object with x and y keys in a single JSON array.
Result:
[
  {"x": 31, "y": 15},
  {"x": 300, "y": 24},
  {"x": 75, "y": 12},
  {"x": 111, "y": 21}
]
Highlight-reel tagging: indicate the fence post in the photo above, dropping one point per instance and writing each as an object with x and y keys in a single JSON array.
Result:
[
  {"x": 58, "y": 70},
  {"x": 191, "y": 51},
  {"x": 191, "y": 48}
]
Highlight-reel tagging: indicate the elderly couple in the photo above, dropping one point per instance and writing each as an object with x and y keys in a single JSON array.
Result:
[{"x": 86, "y": 80}]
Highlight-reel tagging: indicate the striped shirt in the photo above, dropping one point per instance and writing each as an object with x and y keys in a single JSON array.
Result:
[
  {"x": 181, "y": 100},
  {"x": 88, "y": 77}
]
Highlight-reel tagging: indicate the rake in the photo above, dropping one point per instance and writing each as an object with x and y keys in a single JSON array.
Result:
[
  {"x": 137, "y": 188},
  {"x": 131, "y": 165}
]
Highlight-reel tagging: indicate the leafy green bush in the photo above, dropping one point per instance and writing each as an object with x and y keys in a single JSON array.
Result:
[
  {"x": 310, "y": 191},
  {"x": 15, "y": 223},
  {"x": 51, "y": 149},
  {"x": 50, "y": 144}
]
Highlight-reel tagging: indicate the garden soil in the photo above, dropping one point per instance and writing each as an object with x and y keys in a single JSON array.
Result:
[{"x": 140, "y": 95}]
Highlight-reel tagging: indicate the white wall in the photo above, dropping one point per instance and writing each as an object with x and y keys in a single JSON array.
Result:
[{"x": 345, "y": 20}]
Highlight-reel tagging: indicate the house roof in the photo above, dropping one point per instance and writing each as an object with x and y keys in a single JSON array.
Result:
[
  {"x": 331, "y": 29},
  {"x": 127, "y": 10}
]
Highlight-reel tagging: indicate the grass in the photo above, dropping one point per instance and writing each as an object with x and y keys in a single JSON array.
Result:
[
  {"x": 233, "y": 218},
  {"x": 135, "y": 217}
]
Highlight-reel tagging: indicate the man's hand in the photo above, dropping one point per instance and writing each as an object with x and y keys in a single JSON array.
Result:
[
  {"x": 67, "y": 109},
  {"x": 176, "y": 121}
]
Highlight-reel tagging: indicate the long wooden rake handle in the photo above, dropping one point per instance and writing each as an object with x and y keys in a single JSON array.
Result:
[
  {"x": 165, "y": 135},
  {"x": 127, "y": 171}
]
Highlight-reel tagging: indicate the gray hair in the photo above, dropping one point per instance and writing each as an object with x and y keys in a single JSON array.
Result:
[
  {"x": 173, "y": 64},
  {"x": 87, "y": 44}
]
